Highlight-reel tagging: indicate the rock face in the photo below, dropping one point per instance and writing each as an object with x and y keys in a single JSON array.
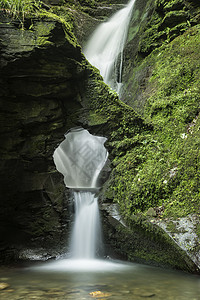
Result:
[
  {"x": 47, "y": 87},
  {"x": 185, "y": 232},
  {"x": 143, "y": 242},
  {"x": 154, "y": 24},
  {"x": 41, "y": 81}
]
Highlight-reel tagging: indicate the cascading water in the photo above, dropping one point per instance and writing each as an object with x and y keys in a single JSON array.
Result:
[
  {"x": 80, "y": 158},
  {"x": 105, "y": 48},
  {"x": 86, "y": 234}
]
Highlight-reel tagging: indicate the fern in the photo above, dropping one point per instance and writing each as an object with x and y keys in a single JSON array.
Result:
[{"x": 19, "y": 8}]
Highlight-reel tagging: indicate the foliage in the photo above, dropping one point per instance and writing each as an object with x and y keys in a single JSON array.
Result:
[{"x": 19, "y": 8}]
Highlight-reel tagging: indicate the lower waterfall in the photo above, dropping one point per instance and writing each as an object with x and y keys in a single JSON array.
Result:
[
  {"x": 86, "y": 233},
  {"x": 80, "y": 158}
]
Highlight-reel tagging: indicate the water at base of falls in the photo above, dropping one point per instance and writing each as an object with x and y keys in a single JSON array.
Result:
[
  {"x": 86, "y": 233},
  {"x": 86, "y": 241},
  {"x": 82, "y": 265},
  {"x": 131, "y": 282}
]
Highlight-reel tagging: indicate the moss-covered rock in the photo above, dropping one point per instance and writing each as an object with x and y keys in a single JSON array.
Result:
[
  {"x": 143, "y": 242},
  {"x": 162, "y": 166}
]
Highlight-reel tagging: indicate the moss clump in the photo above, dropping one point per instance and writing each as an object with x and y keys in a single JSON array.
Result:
[
  {"x": 169, "y": 20},
  {"x": 28, "y": 13}
]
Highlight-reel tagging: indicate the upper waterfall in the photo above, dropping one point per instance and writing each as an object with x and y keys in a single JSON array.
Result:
[
  {"x": 80, "y": 158},
  {"x": 104, "y": 49}
]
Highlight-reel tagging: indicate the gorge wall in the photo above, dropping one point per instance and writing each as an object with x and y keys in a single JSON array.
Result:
[{"x": 47, "y": 87}]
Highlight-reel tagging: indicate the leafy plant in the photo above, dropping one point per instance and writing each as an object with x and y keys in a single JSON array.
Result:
[{"x": 19, "y": 8}]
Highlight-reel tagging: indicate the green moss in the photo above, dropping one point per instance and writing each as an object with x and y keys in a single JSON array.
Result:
[
  {"x": 173, "y": 5},
  {"x": 169, "y": 20},
  {"x": 197, "y": 231},
  {"x": 160, "y": 166},
  {"x": 171, "y": 227},
  {"x": 172, "y": 108},
  {"x": 64, "y": 17}
]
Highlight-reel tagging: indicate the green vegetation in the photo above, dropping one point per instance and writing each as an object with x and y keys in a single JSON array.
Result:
[
  {"x": 169, "y": 20},
  {"x": 160, "y": 167},
  {"x": 19, "y": 8},
  {"x": 24, "y": 10}
]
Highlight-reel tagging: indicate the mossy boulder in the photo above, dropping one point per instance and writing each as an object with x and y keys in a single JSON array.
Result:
[{"x": 141, "y": 241}]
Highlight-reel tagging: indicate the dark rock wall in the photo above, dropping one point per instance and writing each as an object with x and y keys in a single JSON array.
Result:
[
  {"x": 40, "y": 86},
  {"x": 46, "y": 88}
]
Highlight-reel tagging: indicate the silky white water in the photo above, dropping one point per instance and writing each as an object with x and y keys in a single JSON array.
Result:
[
  {"x": 105, "y": 48},
  {"x": 80, "y": 158},
  {"x": 86, "y": 234}
]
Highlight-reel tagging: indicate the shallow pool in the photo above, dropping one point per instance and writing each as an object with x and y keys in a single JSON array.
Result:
[{"x": 98, "y": 280}]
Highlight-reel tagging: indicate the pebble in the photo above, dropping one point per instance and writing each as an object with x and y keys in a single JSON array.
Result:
[
  {"x": 144, "y": 294},
  {"x": 3, "y": 285},
  {"x": 147, "y": 295}
]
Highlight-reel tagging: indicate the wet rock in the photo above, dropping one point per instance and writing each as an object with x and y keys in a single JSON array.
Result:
[
  {"x": 147, "y": 295},
  {"x": 99, "y": 294},
  {"x": 36, "y": 94},
  {"x": 143, "y": 242},
  {"x": 173, "y": 18},
  {"x": 73, "y": 292}
]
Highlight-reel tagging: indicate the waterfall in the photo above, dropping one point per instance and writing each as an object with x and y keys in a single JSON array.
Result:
[
  {"x": 80, "y": 158},
  {"x": 86, "y": 234},
  {"x": 104, "y": 49}
]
